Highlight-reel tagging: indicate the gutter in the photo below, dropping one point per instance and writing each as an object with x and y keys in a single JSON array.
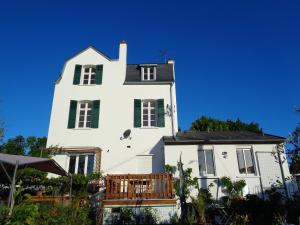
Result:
[
  {"x": 279, "y": 147},
  {"x": 172, "y": 117},
  {"x": 232, "y": 141}
]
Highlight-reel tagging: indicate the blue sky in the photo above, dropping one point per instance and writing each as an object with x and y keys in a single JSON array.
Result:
[{"x": 233, "y": 58}]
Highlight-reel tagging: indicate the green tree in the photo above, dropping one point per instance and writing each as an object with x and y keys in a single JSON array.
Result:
[
  {"x": 32, "y": 146},
  {"x": 1, "y": 131},
  {"x": 205, "y": 123},
  {"x": 15, "y": 146},
  {"x": 293, "y": 148},
  {"x": 37, "y": 146}
]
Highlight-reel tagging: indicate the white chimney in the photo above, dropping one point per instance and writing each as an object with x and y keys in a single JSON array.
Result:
[
  {"x": 171, "y": 61},
  {"x": 123, "y": 52}
]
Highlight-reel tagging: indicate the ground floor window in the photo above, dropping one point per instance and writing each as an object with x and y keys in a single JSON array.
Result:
[
  {"x": 245, "y": 161},
  {"x": 206, "y": 162},
  {"x": 82, "y": 164}
]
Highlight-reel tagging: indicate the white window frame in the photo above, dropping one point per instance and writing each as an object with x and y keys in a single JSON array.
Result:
[
  {"x": 149, "y": 112},
  {"x": 85, "y": 162},
  {"x": 146, "y": 70},
  {"x": 90, "y": 73},
  {"x": 86, "y": 109},
  {"x": 213, "y": 161},
  {"x": 245, "y": 163}
]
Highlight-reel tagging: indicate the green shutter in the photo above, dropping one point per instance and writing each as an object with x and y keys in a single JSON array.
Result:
[
  {"x": 137, "y": 112},
  {"x": 72, "y": 114},
  {"x": 160, "y": 113},
  {"x": 77, "y": 72},
  {"x": 95, "y": 113},
  {"x": 99, "y": 72}
]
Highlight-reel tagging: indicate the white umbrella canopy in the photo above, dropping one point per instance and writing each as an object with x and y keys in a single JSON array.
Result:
[{"x": 44, "y": 164}]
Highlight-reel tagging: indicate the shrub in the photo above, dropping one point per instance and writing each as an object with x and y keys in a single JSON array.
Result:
[
  {"x": 3, "y": 214},
  {"x": 57, "y": 214},
  {"x": 24, "y": 214}
]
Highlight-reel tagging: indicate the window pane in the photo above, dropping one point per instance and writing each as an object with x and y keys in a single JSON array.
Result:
[
  {"x": 93, "y": 70},
  {"x": 88, "y": 124},
  {"x": 145, "y": 117},
  {"x": 153, "y": 124},
  {"x": 72, "y": 164},
  {"x": 80, "y": 124},
  {"x": 82, "y": 105},
  {"x": 249, "y": 161},
  {"x": 145, "y": 123},
  {"x": 90, "y": 167},
  {"x": 201, "y": 162},
  {"x": 90, "y": 105},
  {"x": 86, "y": 70},
  {"x": 241, "y": 162},
  {"x": 145, "y": 104},
  {"x": 81, "y": 163},
  {"x": 152, "y": 104},
  {"x": 86, "y": 77},
  {"x": 81, "y": 118},
  {"x": 209, "y": 161},
  {"x": 151, "y": 76}
]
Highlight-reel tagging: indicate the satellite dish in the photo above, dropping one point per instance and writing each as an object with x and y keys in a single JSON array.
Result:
[{"x": 127, "y": 133}]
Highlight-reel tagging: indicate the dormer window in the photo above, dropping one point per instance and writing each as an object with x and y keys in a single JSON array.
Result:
[
  {"x": 148, "y": 73},
  {"x": 89, "y": 75}
]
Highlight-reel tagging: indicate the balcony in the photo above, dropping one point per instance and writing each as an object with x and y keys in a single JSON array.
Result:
[{"x": 139, "y": 187}]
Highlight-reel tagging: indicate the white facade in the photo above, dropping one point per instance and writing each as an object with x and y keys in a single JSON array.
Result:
[
  {"x": 116, "y": 115},
  {"x": 144, "y": 150},
  {"x": 267, "y": 169}
]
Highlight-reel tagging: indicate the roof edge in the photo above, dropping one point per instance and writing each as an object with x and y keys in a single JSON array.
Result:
[{"x": 78, "y": 53}]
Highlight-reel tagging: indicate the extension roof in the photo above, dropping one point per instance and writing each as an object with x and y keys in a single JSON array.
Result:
[
  {"x": 164, "y": 74},
  {"x": 222, "y": 137}
]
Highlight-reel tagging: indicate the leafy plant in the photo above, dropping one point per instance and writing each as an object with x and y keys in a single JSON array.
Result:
[
  {"x": 232, "y": 188},
  {"x": 189, "y": 183},
  {"x": 240, "y": 220},
  {"x": 3, "y": 214},
  {"x": 148, "y": 216},
  {"x": 125, "y": 217},
  {"x": 24, "y": 214}
]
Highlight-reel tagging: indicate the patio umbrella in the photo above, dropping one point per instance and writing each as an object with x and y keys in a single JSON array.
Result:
[{"x": 11, "y": 163}]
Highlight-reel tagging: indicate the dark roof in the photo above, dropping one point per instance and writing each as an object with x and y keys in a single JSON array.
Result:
[
  {"x": 221, "y": 137},
  {"x": 164, "y": 73}
]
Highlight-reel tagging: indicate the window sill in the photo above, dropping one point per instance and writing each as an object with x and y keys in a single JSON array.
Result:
[
  {"x": 207, "y": 177},
  {"x": 84, "y": 128},
  {"x": 87, "y": 84},
  {"x": 149, "y": 128},
  {"x": 248, "y": 176}
]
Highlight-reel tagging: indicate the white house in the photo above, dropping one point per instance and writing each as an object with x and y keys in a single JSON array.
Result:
[{"x": 121, "y": 119}]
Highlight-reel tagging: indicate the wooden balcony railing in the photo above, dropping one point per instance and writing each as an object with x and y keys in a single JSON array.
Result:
[{"x": 139, "y": 186}]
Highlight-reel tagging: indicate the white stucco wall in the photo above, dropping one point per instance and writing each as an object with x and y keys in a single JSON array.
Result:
[
  {"x": 229, "y": 166},
  {"x": 116, "y": 115}
]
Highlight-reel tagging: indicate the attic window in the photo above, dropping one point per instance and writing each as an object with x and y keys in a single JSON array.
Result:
[
  {"x": 148, "y": 73},
  {"x": 89, "y": 75}
]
